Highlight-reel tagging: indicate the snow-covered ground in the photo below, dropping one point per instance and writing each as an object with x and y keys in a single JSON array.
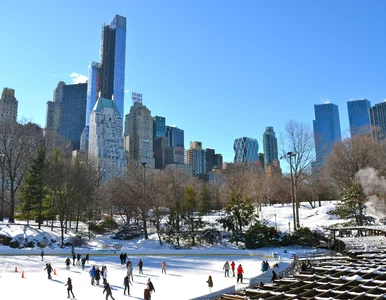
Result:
[{"x": 187, "y": 270}]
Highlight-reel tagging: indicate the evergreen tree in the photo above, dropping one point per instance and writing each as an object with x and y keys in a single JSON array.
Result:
[
  {"x": 352, "y": 207},
  {"x": 239, "y": 213},
  {"x": 34, "y": 193},
  {"x": 205, "y": 200},
  {"x": 190, "y": 206}
]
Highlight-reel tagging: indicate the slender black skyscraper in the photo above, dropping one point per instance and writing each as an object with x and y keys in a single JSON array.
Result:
[{"x": 107, "y": 78}]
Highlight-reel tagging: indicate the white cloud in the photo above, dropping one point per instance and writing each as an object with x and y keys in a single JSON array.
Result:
[
  {"x": 126, "y": 91},
  {"x": 78, "y": 78}
]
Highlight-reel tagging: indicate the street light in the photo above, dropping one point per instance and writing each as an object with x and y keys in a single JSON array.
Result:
[{"x": 289, "y": 156}]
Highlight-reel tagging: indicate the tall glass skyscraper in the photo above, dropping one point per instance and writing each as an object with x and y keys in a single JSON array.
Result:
[
  {"x": 326, "y": 130},
  {"x": 107, "y": 78},
  {"x": 72, "y": 113},
  {"x": 175, "y": 137},
  {"x": 246, "y": 150},
  {"x": 270, "y": 146},
  {"x": 159, "y": 128},
  {"x": 378, "y": 121},
  {"x": 359, "y": 117}
]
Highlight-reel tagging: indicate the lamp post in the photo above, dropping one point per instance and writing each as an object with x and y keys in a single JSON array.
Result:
[
  {"x": 289, "y": 156},
  {"x": 144, "y": 164},
  {"x": 2, "y": 187}
]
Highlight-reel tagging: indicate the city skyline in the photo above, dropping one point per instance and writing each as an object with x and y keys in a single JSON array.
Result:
[{"x": 216, "y": 79}]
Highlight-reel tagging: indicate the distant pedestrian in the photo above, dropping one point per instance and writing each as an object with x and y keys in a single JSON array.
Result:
[
  {"x": 107, "y": 289},
  {"x": 124, "y": 258},
  {"x": 78, "y": 258},
  {"x": 126, "y": 284},
  {"x": 87, "y": 258},
  {"x": 49, "y": 270},
  {"x": 121, "y": 258},
  {"x": 163, "y": 267},
  {"x": 42, "y": 255},
  {"x": 140, "y": 266},
  {"x": 68, "y": 263},
  {"x": 69, "y": 288},
  {"x": 226, "y": 269},
  {"x": 210, "y": 283},
  {"x": 92, "y": 273},
  {"x": 233, "y": 268},
  {"x": 97, "y": 275},
  {"x": 73, "y": 258},
  {"x": 240, "y": 272}
]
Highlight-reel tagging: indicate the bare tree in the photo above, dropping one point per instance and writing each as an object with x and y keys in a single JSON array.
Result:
[
  {"x": 18, "y": 144},
  {"x": 297, "y": 148},
  {"x": 353, "y": 154}
]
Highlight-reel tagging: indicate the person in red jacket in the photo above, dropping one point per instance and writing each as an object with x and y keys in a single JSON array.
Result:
[
  {"x": 240, "y": 272},
  {"x": 233, "y": 268}
]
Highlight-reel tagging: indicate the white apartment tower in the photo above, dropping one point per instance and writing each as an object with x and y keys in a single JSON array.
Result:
[{"x": 105, "y": 138}]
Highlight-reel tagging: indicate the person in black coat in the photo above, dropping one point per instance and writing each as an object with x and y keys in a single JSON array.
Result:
[
  {"x": 140, "y": 266},
  {"x": 126, "y": 284},
  {"x": 151, "y": 286},
  {"x": 69, "y": 287},
  {"x": 97, "y": 275},
  {"x": 108, "y": 291},
  {"x": 49, "y": 270}
]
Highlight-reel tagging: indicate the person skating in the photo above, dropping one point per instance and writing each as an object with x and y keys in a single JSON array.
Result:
[
  {"x": 107, "y": 289},
  {"x": 226, "y": 269},
  {"x": 69, "y": 288},
  {"x": 87, "y": 258},
  {"x": 126, "y": 284},
  {"x": 210, "y": 283},
  {"x": 163, "y": 267},
  {"x": 97, "y": 275},
  {"x": 233, "y": 268},
  {"x": 140, "y": 266},
  {"x": 121, "y": 258},
  {"x": 42, "y": 255},
  {"x": 78, "y": 259},
  {"x": 92, "y": 273},
  {"x": 124, "y": 258},
  {"x": 104, "y": 274},
  {"x": 73, "y": 258},
  {"x": 83, "y": 262},
  {"x": 129, "y": 266},
  {"x": 240, "y": 272},
  {"x": 49, "y": 270},
  {"x": 151, "y": 286},
  {"x": 68, "y": 263}
]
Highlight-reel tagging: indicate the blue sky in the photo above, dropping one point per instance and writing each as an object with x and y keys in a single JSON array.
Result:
[{"x": 220, "y": 70}]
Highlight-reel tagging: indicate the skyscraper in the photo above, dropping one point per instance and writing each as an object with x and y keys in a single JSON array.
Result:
[
  {"x": 106, "y": 140},
  {"x": 246, "y": 150},
  {"x": 196, "y": 159},
  {"x": 8, "y": 106},
  {"x": 270, "y": 146},
  {"x": 66, "y": 113},
  {"x": 107, "y": 78},
  {"x": 139, "y": 132},
  {"x": 175, "y": 136},
  {"x": 210, "y": 158},
  {"x": 359, "y": 117},
  {"x": 159, "y": 128},
  {"x": 326, "y": 130},
  {"x": 378, "y": 121}
]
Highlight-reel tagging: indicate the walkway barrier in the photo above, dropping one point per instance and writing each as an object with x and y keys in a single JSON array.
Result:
[{"x": 214, "y": 295}]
